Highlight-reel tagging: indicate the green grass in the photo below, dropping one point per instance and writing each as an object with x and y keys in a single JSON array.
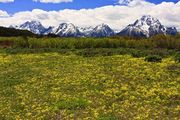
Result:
[
  {"x": 115, "y": 78},
  {"x": 102, "y": 84}
]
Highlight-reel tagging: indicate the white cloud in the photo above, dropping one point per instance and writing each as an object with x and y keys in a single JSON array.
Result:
[
  {"x": 3, "y": 14},
  {"x": 134, "y": 2},
  {"x": 53, "y": 1},
  {"x": 178, "y": 28},
  {"x": 124, "y": 2},
  {"x": 117, "y": 16},
  {"x": 6, "y": 1}
]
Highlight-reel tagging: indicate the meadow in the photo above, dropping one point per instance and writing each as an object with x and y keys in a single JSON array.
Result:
[{"x": 89, "y": 78}]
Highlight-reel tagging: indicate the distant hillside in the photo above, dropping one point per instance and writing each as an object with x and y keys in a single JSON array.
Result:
[{"x": 9, "y": 32}]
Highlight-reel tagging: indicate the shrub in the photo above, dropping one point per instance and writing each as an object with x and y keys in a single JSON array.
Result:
[
  {"x": 22, "y": 42},
  {"x": 137, "y": 54},
  {"x": 161, "y": 42},
  {"x": 153, "y": 58},
  {"x": 177, "y": 57}
]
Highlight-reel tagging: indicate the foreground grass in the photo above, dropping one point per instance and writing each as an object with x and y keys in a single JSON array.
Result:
[{"x": 68, "y": 86}]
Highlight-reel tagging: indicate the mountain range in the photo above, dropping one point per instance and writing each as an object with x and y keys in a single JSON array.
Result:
[{"x": 146, "y": 26}]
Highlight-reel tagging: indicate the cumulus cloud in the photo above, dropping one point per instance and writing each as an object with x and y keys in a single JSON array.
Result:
[
  {"x": 127, "y": 2},
  {"x": 3, "y": 14},
  {"x": 117, "y": 16},
  {"x": 135, "y": 2},
  {"x": 6, "y": 1},
  {"x": 178, "y": 28},
  {"x": 53, "y": 1}
]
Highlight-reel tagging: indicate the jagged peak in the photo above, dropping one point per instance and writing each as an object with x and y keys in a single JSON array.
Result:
[
  {"x": 34, "y": 22},
  {"x": 66, "y": 24},
  {"x": 147, "y": 26},
  {"x": 33, "y": 26},
  {"x": 146, "y": 16},
  {"x": 147, "y": 20},
  {"x": 102, "y": 26}
]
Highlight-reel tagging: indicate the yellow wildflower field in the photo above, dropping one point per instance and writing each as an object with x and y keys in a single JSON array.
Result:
[{"x": 119, "y": 87}]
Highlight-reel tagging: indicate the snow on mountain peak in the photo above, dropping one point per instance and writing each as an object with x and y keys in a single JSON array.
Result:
[
  {"x": 34, "y": 22},
  {"x": 67, "y": 30},
  {"x": 86, "y": 31},
  {"x": 147, "y": 26},
  {"x": 101, "y": 26},
  {"x": 102, "y": 30},
  {"x": 147, "y": 20},
  {"x": 33, "y": 26}
]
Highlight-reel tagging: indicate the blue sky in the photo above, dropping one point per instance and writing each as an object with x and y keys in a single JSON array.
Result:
[
  {"x": 24, "y": 5},
  {"x": 86, "y": 13}
]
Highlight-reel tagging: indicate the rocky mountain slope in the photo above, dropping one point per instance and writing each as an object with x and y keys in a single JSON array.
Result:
[{"x": 147, "y": 26}]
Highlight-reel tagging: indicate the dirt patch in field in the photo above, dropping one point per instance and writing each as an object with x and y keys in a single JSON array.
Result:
[{"x": 6, "y": 44}]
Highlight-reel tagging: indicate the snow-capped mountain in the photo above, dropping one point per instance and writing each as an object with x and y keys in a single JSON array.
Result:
[
  {"x": 102, "y": 30},
  {"x": 147, "y": 26},
  {"x": 33, "y": 26},
  {"x": 67, "y": 30},
  {"x": 50, "y": 30},
  {"x": 86, "y": 31}
]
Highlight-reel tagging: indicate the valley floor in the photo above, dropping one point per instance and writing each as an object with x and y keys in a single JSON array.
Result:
[{"x": 58, "y": 86}]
